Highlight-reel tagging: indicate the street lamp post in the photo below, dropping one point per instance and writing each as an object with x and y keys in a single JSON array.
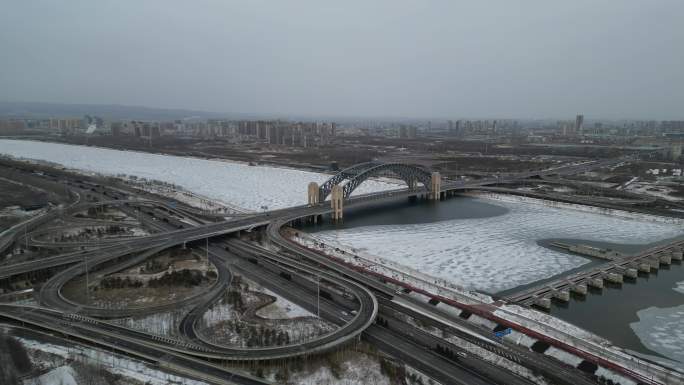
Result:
[{"x": 86, "y": 286}]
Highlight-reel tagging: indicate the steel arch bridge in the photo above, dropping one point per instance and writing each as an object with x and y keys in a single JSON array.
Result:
[{"x": 357, "y": 174}]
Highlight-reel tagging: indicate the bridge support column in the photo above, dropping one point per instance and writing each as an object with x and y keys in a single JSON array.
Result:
[
  {"x": 655, "y": 263},
  {"x": 561, "y": 295},
  {"x": 596, "y": 283},
  {"x": 631, "y": 273},
  {"x": 613, "y": 277},
  {"x": 665, "y": 258},
  {"x": 627, "y": 272},
  {"x": 435, "y": 186},
  {"x": 543, "y": 302},
  {"x": 336, "y": 202},
  {"x": 313, "y": 193},
  {"x": 579, "y": 288},
  {"x": 644, "y": 267},
  {"x": 677, "y": 255}
]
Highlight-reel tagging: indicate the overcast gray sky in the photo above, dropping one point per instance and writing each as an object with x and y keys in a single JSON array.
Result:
[{"x": 446, "y": 58}]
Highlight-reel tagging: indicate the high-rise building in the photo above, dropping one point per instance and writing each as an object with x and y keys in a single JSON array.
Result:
[
  {"x": 116, "y": 128},
  {"x": 675, "y": 151},
  {"x": 403, "y": 131},
  {"x": 412, "y": 132},
  {"x": 579, "y": 124}
]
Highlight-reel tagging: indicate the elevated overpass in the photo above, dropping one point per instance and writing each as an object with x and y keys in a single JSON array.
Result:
[{"x": 367, "y": 288}]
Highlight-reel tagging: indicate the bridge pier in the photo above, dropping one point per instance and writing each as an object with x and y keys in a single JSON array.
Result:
[
  {"x": 435, "y": 186},
  {"x": 655, "y": 263},
  {"x": 596, "y": 283},
  {"x": 336, "y": 202},
  {"x": 644, "y": 267},
  {"x": 665, "y": 259},
  {"x": 561, "y": 295},
  {"x": 627, "y": 272},
  {"x": 542, "y": 302},
  {"x": 676, "y": 255},
  {"x": 313, "y": 194},
  {"x": 613, "y": 277},
  {"x": 579, "y": 288}
]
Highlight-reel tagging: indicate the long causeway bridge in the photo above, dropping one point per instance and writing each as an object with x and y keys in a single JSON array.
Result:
[{"x": 614, "y": 272}]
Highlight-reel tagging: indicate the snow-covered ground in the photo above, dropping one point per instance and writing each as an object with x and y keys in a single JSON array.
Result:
[
  {"x": 237, "y": 184},
  {"x": 653, "y": 189},
  {"x": 662, "y": 330},
  {"x": 617, "y": 379},
  {"x": 136, "y": 371},
  {"x": 281, "y": 308},
  {"x": 163, "y": 324},
  {"x": 358, "y": 370},
  {"x": 501, "y": 252},
  {"x": 63, "y": 375}
]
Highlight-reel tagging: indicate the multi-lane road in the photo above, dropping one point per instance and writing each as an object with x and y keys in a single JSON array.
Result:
[{"x": 354, "y": 314}]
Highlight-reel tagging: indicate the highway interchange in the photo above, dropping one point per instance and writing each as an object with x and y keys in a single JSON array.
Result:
[{"x": 354, "y": 300}]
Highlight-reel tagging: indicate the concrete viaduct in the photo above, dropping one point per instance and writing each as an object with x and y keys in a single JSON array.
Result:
[{"x": 614, "y": 272}]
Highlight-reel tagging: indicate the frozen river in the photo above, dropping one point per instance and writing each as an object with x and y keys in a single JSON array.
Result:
[
  {"x": 237, "y": 184},
  {"x": 492, "y": 252}
]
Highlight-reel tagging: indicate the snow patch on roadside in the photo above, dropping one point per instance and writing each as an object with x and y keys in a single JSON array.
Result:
[
  {"x": 418, "y": 375},
  {"x": 617, "y": 379},
  {"x": 563, "y": 356},
  {"x": 113, "y": 363},
  {"x": 358, "y": 370},
  {"x": 281, "y": 308},
  {"x": 63, "y": 375},
  {"x": 519, "y": 338}
]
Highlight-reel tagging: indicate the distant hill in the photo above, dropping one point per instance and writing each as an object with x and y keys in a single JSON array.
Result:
[
  {"x": 121, "y": 112},
  {"x": 106, "y": 111}
]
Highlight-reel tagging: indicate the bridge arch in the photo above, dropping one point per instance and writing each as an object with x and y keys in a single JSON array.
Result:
[{"x": 357, "y": 174}]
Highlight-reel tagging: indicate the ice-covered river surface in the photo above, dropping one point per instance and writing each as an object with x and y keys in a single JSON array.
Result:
[
  {"x": 237, "y": 184},
  {"x": 661, "y": 329},
  {"x": 494, "y": 246},
  {"x": 489, "y": 248}
]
